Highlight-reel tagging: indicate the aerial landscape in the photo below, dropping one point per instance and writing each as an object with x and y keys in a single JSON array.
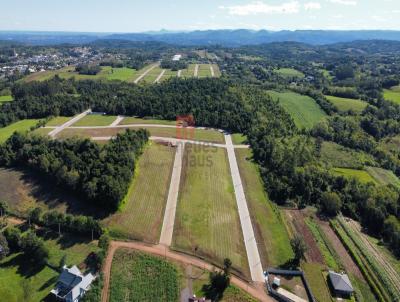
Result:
[{"x": 217, "y": 151}]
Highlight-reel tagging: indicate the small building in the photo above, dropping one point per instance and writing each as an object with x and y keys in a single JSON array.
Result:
[
  {"x": 177, "y": 57},
  {"x": 340, "y": 283},
  {"x": 276, "y": 282},
  {"x": 72, "y": 285},
  {"x": 195, "y": 299}
]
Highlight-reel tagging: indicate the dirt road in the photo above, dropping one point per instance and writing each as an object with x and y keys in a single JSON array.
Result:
[
  {"x": 257, "y": 290},
  {"x": 159, "y": 76},
  {"x": 57, "y": 130},
  {"x": 196, "y": 70},
  {"x": 212, "y": 71},
  {"x": 145, "y": 73}
]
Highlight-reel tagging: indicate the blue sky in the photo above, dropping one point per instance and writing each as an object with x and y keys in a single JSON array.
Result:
[{"x": 140, "y": 15}]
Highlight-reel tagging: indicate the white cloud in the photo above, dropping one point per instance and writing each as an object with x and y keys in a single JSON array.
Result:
[
  {"x": 259, "y": 7},
  {"x": 345, "y": 2},
  {"x": 312, "y": 5}
]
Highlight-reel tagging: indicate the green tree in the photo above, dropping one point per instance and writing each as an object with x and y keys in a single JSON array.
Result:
[
  {"x": 330, "y": 203},
  {"x": 4, "y": 250},
  {"x": 299, "y": 247}
]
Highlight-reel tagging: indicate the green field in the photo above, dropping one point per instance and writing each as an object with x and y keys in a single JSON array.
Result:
[
  {"x": 151, "y": 76},
  {"x": 239, "y": 139},
  {"x": 383, "y": 177},
  {"x": 361, "y": 175},
  {"x": 20, "y": 126},
  {"x": 188, "y": 72},
  {"x": 303, "y": 109},
  {"x": 392, "y": 94},
  {"x": 338, "y": 156},
  {"x": 204, "y": 71},
  {"x": 289, "y": 73},
  {"x": 5, "y": 98},
  {"x": 58, "y": 121},
  {"x": 272, "y": 237},
  {"x": 169, "y": 74},
  {"x": 207, "y": 222},
  {"x": 136, "y": 120},
  {"x": 142, "y": 212},
  {"x": 316, "y": 278},
  {"x": 140, "y": 277},
  {"x": 106, "y": 73},
  {"x": 95, "y": 120},
  {"x": 19, "y": 281},
  {"x": 217, "y": 71},
  {"x": 345, "y": 104}
]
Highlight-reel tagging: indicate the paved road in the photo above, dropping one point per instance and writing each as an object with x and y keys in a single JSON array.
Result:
[
  {"x": 69, "y": 123},
  {"x": 172, "y": 200},
  {"x": 253, "y": 255},
  {"x": 196, "y": 70},
  {"x": 145, "y": 73},
  {"x": 117, "y": 121},
  {"x": 212, "y": 71},
  {"x": 257, "y": 290},
  {"x": 159, "y": 76}
]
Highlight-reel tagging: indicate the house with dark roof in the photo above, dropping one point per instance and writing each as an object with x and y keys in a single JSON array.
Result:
[
  {"x": 72, "y": 285},
  {"x": 340, "y": 283}
]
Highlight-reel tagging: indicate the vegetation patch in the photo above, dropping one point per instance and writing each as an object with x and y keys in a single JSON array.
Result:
[
  {"x": 21, "y": 126},
  {"x": 239, "y": 139},
  {"x": 141, "y": 214},
  {"x": 392, "y": 94},
  {"x": 304, "y": 110},
  {"x": 140, "y": 277},
  {"x": 361, "y": 175},
  {"x": 58, "y": 121},
  {"x": 346, "y": 104},
  {"x": 316, "y": 278},
  {"x": 5, "y": 98},
  {"x": 383, "y": 177},
  {"x": 135, "y": 120},
  {"x": 289, "y": 73},
  {"x": 95, "y": 120},
  {"x": 207, "y": 222}
]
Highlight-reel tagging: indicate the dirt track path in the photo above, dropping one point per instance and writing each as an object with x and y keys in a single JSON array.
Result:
[
  {"x": 145, "y": 73},
  {"x": 212, "y": 71},
  {"x": 72, "y": 121},
  {"x": 159, "y": 76},
  {"x": 257, "y": 290},
  {"x": 196, "y": 70}
]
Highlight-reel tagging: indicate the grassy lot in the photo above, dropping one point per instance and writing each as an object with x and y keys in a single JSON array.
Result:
[
  {"x": 152, "y": 75},
  {"x": 207, "y": 222},
  {"x": 136, "y": 120},
  {"x": 392, "y": 94},
  {"x": 188, "y": 72},
  {"x": 217, "y": 71},
  {"x": 303, "y": 109},
  {"x": 273, "y": 239},
  {"x": 239, "y": 139},
  {"x": 361, "y": 175},
  {"x": 95, "y": 120},
  {"x": 345, "y": 104},
  {"x": 141, "y": 215},
  {"x": 314, "y": 274},
  {"x": 42, "y": 131},
  {"x": 5, "y": 98},
  {"x": 20, "y": 126},
  {"x": 140, "y": 277},
  {"x": 58, "y": 121},
  {"x": 106, "y": 73},
  {"x": 383, "y": 177},
  {"x": 18, "y": 276},
  {"x": 169, "y": 74},
  {"x": 338, "y": 156},
  {"x": 391, "y": 144},
  {"x": 289, "y": 73},
  {"x": 204, "y": 71}
]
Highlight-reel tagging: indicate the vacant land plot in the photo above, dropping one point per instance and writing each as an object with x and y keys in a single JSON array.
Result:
[
  {"x": 383, "y": 177},
  {"x": 361, "y": 175},
  {"x": 272, "y": 237},
  {"x": 58, "y": 121},
  {"x": 204, "y": 71},
  {"x": 189, "y": 71},
  {"x": 217, "y": 71},
  {"x": 290, "y": 73},
  {"x": 207, "y": 222},
  {"x": 20, "y": 126},
  {"x": 136, "y": 120},
  {"x": 391, "y": 144},
  {"x": 303, "y": 109},
  {"x": 20, "y": 281},
  {"x": 152, "y": 75},
  {"x": 141, "y": 215},
  {"x": 239, "y": 139},
  {"x": 95, "y": 120},
  {"x": 5, "y": 98},
  {"x": 140, "y": 277},
  {"x": 169, "y": 74},
  {"x": 316, "y": 278},
  {"x": 345, "y": 104},
  {"x": 121, "y": 74},
  {"x": 338, "y": 156},
  {"x": 392, "y": 94}
]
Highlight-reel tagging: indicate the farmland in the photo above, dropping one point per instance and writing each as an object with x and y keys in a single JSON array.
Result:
[
  {"x": 19, "y": 281},
  {"x": 207, "y": 223},
  {"x": 361, "y": 175},
  {"x": 303, "y": 109},
  {"x": 20, "y": 126},
  {"x": 270, "y": 230},
  {"x": 139, "y": 277},
  {"x": 141, "y": 215},
  {"x": 392, "y": 94},
  {"x": 289, "y": 73},
  {"x": 95, "y": 120},
  {"x": 345, "y": 104}
]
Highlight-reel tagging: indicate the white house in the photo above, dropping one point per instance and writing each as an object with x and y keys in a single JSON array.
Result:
[
  {"x": 176, "y": 57},
  {"x": 72, "y": 284}
]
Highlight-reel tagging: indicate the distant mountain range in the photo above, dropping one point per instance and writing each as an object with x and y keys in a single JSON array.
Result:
[{"x": 208, "y": 37}]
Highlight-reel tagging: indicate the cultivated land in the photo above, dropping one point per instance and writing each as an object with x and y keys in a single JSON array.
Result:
[
  {"x": 361, "y": 175},
  {"x": 142, "y": 212},
  {"x": 20, "y": 126},
  {"x": 106, "y": 73},
  {"x": 5, "y": 98},
  {"x": 392, "y": 94},
  {"x": 345, "y": 104},
  {"x": 137, "y": 276},
  {"x": 303, "y": 109},
  {"x": 289, "y": 73},
  {"x": 58, "y": 121},
  {"x": 272, "y": 237},
  {"x": 207, "y": 222},
  {"x": 95, "y": 120},
  {"x": 20, "y": 281}
]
